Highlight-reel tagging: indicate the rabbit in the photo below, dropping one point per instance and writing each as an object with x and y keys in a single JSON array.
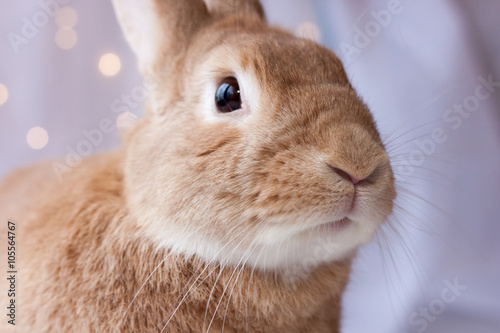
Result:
[{"x": 236, "y": 204}]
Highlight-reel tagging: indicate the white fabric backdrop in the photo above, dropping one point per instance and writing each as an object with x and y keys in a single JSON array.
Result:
[{"x": 413, "y": 68}]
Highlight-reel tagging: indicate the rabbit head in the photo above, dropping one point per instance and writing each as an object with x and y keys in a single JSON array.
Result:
[{"x": 255, "y": 148}]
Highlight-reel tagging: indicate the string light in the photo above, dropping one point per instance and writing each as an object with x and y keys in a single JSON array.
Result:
[
  {"x": 37, "y": 138},
  {"x": 66, "y": 17},
  {"x": 109, "y": 64},
  {"x": 66, "y": 37},
  {"x": 4, "y": 94}
]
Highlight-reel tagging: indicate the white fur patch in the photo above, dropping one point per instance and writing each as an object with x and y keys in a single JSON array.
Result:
[{"x": 274, "y": 248}]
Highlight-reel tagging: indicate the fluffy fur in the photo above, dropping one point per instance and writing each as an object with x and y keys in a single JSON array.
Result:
[{"x": 207, "y": 221}]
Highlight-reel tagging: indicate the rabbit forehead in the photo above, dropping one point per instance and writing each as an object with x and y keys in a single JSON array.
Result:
[
  {"x": 275, "y": 68},
  {"x": 273, "y": 54}
]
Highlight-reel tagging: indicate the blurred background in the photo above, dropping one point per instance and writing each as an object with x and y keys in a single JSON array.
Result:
[{"x": 428, "y": 69}]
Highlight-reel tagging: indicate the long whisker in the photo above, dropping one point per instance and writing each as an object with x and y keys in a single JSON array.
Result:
[
  {"x": 201, "y": 273},
  {"x": 234, "y": 285},
  {"x": 250, "y": 248},
  {"x": 154, "y": 270},
  {"x": 205, "y": 268},
  {"x": 250, "y": 283},
  {"x": 388, "y": 140},
  {"x": 213, "y": 259},
  {"x": 211, "y": 292},
  {"x": 209, "y": 298}
]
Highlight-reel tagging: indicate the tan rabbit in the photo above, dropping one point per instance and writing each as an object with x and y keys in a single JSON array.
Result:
[{"x": 236, "y": 204}]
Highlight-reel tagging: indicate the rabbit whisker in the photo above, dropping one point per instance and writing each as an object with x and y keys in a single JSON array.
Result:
[{"x": 213, "y": 259}]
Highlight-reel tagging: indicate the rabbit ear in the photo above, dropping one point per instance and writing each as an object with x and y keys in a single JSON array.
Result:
[
  {"x": 159, "y": 27},
  {"x": 224, "y": 7}
]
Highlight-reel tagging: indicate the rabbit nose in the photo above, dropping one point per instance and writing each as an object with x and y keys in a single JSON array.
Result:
[{"x": 345, "y": 175}]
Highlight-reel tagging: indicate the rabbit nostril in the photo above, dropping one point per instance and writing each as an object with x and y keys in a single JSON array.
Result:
[{"x": 345, "y": 175}]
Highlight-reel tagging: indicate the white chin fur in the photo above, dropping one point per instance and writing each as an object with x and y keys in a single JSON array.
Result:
[{"x": 293, "y": 256}]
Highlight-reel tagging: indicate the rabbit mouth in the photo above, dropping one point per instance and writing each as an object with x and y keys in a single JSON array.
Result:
[{"x": 337, "y": 225}]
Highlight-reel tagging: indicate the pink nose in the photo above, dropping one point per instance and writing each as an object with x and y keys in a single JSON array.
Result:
[{"x": 345, "y": 175}]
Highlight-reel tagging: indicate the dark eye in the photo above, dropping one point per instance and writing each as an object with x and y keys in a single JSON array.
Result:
[{"x": 227, "y": 97}]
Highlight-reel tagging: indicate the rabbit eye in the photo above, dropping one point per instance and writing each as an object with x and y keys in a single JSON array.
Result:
[{"x": 227, "y": 97}]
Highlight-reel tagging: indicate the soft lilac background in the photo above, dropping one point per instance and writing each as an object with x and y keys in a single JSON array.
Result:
[{"x": 427, "y": 59}]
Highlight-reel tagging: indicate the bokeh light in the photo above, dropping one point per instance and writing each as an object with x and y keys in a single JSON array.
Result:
[
  {"x": 66, "y": 38},
  {"x": 4, "y": 94},
  {"x": 110, "y": 64},
  {"x": 37, "y": 138},
  {"x": 66, "y": 17},
  {"x": 308, "y": 30}
]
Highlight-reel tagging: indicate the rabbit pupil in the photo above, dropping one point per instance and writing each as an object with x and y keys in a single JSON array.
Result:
[{"x": 227, "y": 97}]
